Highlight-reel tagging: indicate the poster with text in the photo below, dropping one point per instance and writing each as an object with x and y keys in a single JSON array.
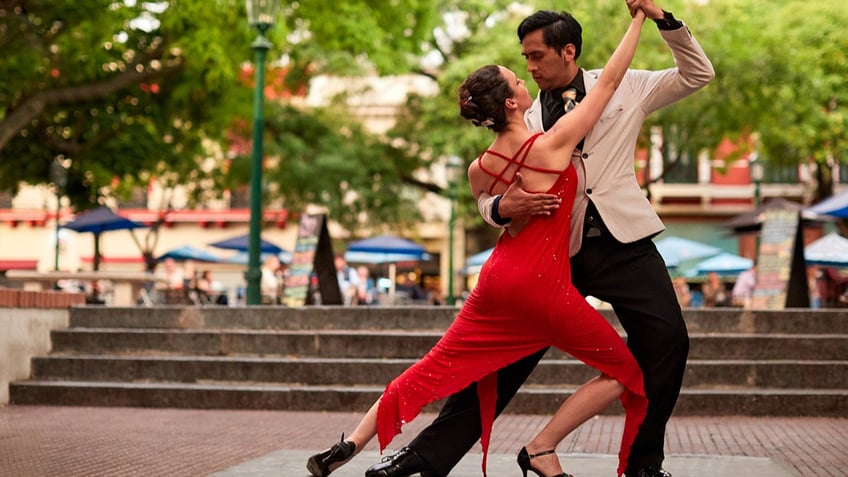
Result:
[
  {"x": 312, "y": 272},
  {"x": 781, "y": 271}
]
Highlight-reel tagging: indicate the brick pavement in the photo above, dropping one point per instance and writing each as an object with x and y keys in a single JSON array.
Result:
[{"x": 86, "y": 441}]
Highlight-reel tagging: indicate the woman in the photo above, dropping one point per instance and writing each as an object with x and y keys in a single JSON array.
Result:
[{"x": 516, "y": 307}]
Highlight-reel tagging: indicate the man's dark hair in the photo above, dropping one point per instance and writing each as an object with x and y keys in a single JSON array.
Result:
[{"x": 559, "y": 29}]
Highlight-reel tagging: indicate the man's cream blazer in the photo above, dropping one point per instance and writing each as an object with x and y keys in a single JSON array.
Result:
[{"x": 605, "y": 165}]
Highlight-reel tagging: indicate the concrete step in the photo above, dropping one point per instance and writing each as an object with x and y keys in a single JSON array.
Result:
[
  {"x": 400, "y": 344},
  {"x": 791, "y": 362},
  {"x": 714, "y": 320},
  {"x": 530, "y": 400},
  {"x": 700, "y": 374}
]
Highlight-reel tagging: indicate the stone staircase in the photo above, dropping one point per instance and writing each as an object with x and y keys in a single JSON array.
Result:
[{"x": 763, "y": 363}]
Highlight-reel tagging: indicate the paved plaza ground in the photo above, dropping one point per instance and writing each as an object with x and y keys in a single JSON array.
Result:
[{"x": 87, "y": 441}]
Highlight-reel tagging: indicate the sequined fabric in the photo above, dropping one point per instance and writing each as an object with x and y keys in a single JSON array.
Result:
[{"x": 524, "y": 301}]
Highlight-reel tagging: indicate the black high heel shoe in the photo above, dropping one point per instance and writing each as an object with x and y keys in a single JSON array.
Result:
[
  {"x": 321, "y": 465},
  {"x": 525, "y": 465}
]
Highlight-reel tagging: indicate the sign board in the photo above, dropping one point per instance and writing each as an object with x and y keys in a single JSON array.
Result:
[
  {"x": 312, "y": 272},
  {"x": 781, "y": 269}
]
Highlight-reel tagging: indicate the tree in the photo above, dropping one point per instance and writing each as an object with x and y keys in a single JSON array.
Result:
[
  {"x": 780, "y": 75},
  {"x": 322, "y": 157},
  {"x": 132, "y": 90}
]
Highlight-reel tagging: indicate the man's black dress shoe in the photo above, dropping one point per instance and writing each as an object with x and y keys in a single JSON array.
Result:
[
  {"x": 405, "y": 463},
  {"x": 654, "y": 470}
]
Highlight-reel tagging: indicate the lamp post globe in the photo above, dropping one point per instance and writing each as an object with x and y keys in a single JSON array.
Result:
[
  {"x": 260, "y": 15},
  {"x": 757, "y": 172}
]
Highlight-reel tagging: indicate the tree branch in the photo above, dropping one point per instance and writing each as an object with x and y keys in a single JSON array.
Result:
[
  {"x": 427, "y": 186},
  {"x": 20, "y": 116}
]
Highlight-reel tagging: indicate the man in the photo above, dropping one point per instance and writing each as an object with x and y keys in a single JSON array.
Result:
[
  {"x": 348, "y": 279},
  {"x": 613, "y": 256}
]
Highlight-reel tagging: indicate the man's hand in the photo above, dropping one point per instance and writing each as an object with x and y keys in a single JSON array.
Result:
[
  {"x": 651, "y": 10},
  {"x": 517, "y": 203}
]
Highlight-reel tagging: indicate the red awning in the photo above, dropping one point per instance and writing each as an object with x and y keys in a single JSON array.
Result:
[{"x": 18, "y": 265}]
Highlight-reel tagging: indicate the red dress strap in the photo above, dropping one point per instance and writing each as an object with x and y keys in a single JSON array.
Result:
[{"x": 518, "y": 159}]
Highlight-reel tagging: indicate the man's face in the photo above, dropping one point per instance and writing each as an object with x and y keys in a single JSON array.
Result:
[{"x": 550, "y": 69}]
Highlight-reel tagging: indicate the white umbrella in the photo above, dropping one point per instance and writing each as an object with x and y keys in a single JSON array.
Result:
[{"x": 829, "y": 251}]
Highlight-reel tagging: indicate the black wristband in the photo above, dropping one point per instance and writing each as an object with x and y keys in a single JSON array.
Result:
[
  {"x": 668, "y": 22},
  {"x": 496, "y": 217}
]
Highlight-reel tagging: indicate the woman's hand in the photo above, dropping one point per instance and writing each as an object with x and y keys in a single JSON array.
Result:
[
  {"x": 647, "y": 7},
  {"x": 516, "y": 203}
]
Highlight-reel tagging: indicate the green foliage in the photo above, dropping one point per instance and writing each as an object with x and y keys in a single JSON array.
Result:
[
  {"x": 117, "y": 98},
  {"x": 85, "y": 81},
  {"x": 781, "y": 72},
  {"x": 346, "y": 37},
  {"x": 319, "y": 157},
  {"x": 129, "y": 100}
]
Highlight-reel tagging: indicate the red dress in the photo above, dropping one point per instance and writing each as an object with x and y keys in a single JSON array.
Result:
[{"x": 524, "y": 301}]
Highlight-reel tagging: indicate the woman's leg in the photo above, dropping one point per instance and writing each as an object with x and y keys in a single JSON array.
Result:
[
  {"x": 366, "y": 429},
  {"x": 590, "y": 399},
  {"x": 588, "y": 336},
  {"x": 324, "y": 463}
]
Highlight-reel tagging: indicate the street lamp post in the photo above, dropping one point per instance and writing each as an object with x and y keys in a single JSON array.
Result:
[
  {"x": 756, "y": 167},
  {"x": 260, "y": 15},
  {"x": 451, "y": 170},
  {"x": 59, "y": 177}
]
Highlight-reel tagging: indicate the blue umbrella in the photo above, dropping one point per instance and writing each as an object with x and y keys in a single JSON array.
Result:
[
  {"x": 724, "y": 264},
  {"x": 474, "y": 263},
  {"x": 836, "y": 206},
  {"x": 187, "y": 252},
  {"x": 99, "y": 220},
  {"x": 240, "y": 243},
  {"x": 385, "y": 249},
  {"x": 241, "y": 258},
  {"x": 376, "y": 257}
]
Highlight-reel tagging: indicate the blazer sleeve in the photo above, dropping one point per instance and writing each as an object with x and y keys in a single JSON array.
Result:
[
  {"x": 485, "y": 203},
  {"x": 692, "y": 72}
]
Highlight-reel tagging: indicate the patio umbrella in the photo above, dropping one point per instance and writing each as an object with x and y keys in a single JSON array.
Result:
[
  {"x": 724, "y": 264},
  {"x": 187, "y": 252},
  {"x": 828, "y": 251},
  {"x": 376, "y": 257},
  {"x": 836, "y": 206},
  {"x": 474, "y": 263},
  {"x": 99, "y": 220},
  {"x": 240, "y": 243},
  {"x": 241, "y": 258},
  {"x": 753, "y": 221},
  {"x": 387, "y": 245},
  {"x": 385, "y": 249},
  {"x": 676, "y": 250}
]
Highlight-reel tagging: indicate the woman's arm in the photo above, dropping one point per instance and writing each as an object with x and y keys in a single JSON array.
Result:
[{"x": 571, "y": 128}]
